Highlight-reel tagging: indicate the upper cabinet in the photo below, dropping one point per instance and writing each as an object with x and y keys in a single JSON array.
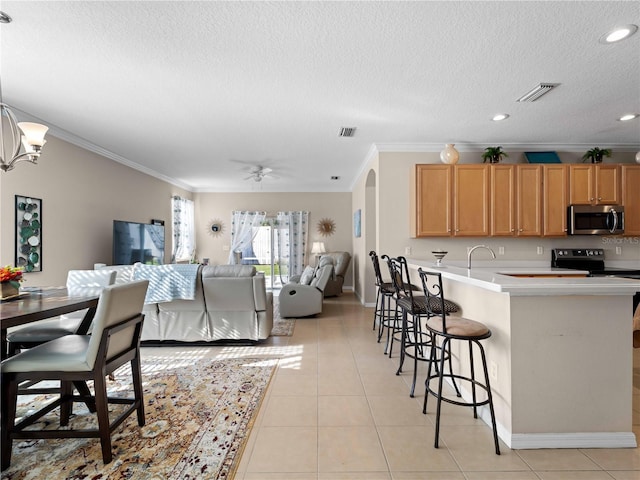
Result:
[
  {"x": 516, "y": 206},
  {"x": 591, "y": 184},
  {"x": 516, "y": 200},
  {"x": 555, "y": 198},
  {"x": 471, "y": 200},
  {"x": 631, "y": 198},
  {"x": 529, "y": 200},
  {"x": 431, "y": 196}
]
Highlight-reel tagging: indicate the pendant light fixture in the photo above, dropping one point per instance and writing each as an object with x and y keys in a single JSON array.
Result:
[{"x": 19, "y": 142}]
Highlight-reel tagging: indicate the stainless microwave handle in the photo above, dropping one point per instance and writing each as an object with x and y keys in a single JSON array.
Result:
[{"x": 614, "y": 214}]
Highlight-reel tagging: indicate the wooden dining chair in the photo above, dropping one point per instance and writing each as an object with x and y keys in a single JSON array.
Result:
[{"x": 115, "y": 340}]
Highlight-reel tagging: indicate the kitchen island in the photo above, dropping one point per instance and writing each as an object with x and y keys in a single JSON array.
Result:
[{"x": 560, "y": 356}]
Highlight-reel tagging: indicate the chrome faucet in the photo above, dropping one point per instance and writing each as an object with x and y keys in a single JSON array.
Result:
[{"x": 471, "y": 251}]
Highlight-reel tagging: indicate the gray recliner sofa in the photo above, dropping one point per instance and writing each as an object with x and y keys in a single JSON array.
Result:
[{"x": 231, "y": 302}]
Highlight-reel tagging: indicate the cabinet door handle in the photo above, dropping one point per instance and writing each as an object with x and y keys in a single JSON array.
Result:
[{"x": 599, "y": 198}]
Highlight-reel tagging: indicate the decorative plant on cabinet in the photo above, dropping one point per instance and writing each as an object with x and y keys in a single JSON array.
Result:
[{"x": 493, "y": 154}]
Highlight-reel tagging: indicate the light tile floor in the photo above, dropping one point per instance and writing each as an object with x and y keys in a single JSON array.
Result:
[{"x": 335, "y": 410}]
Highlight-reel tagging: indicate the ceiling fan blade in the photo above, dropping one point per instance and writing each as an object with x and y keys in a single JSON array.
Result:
[{"x": 266, "y": 170}]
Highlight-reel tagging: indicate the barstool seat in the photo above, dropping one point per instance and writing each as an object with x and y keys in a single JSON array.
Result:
[
  {"x": 446, "y": 329},
  {"x": 458, "y": 326}
]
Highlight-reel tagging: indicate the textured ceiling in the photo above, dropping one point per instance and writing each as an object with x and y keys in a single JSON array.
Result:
[{"x": 198, "y": 92}]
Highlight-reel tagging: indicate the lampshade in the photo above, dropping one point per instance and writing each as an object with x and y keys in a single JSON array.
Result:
[
  {"x": 33, "y": 133},
  {"x": 317, "y": 247}
]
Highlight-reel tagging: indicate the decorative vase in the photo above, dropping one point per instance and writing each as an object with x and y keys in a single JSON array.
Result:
[
  {"x": 449, "y": 154},
  {"x": 8, "y": 290}
]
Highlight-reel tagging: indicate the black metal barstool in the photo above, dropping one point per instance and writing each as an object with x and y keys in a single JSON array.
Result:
[
  {"x": 414, "y": 340},
  {"x": 382, "y": 316},
  {"x": 447, "y": 329}
]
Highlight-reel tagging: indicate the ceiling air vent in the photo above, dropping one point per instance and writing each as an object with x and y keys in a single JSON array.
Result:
[
  {"x": 347, "y": 131},
  {"x": 537, "y": 92}
]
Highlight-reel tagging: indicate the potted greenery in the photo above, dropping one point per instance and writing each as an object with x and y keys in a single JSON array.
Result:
[
  {"x": 596, "y": 154},
  {"x": 493, "y": 154}
]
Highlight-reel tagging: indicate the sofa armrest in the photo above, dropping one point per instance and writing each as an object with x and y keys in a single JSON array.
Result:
[{"x": 298, "y": 300}]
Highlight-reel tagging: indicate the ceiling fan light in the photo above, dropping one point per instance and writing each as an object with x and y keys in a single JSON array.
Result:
[
  {"x": 500, "y": 116},
  {"x": 34, "y": 133}
]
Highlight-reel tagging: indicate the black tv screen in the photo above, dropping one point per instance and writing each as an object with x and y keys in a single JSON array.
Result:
[{"x": 137, "y": 242}]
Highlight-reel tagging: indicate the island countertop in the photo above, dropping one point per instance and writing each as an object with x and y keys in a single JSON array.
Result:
[{"x": 499, "y": 277}]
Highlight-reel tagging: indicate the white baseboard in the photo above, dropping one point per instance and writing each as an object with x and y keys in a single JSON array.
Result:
[
  {"x": 525, "y": 441},
  {"x": 573, "y": 440}
]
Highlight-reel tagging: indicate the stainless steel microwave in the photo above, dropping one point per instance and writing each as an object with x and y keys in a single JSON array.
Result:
[{"x": 595, "y": 219}]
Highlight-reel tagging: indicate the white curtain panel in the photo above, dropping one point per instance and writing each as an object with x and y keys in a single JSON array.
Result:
[
  {"x": 293, "y": 233},
  {"x": 183, "y": 223},
  {"x": 242, "y": 231}
]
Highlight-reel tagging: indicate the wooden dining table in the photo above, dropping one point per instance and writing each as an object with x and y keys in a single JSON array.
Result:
[{"x": 39, "y": 303}]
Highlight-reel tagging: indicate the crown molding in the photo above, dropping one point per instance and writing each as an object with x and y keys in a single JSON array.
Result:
[
  {"x": 91, "y": 147},
  {"x": 474, "y": 147}
]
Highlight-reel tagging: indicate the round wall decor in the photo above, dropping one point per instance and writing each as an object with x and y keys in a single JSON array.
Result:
[
  {"x": 215, "y": 227},
  {"x": 326, "y": 227}
]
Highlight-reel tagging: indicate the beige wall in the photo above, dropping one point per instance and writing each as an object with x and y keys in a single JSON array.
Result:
[
  {"x": 335, "y": 206},
  {"x": 82, "y": 193}
]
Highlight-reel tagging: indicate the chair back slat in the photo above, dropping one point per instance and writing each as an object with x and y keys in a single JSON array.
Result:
[
  {"x": 434, "y": 294},
  {"x": 376, "y": 267},
  {"x": 399, "y": 272},
  {"x": 117, "y": 303},
  {"x": 89, "y": 282}
]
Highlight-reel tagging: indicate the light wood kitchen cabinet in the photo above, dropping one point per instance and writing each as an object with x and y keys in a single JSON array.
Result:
[
  {"x": 431, "y": 197},
  {"x": 591, "y": 184},
  {"x": 503, "y": 200},
  {"x": 631, "y": 198},
  {"x": 555, "y": 196},
  {"x": 528, "y": 200},
  {"x": 516, "y": 200},
  {"x": 471, "y": 200}
]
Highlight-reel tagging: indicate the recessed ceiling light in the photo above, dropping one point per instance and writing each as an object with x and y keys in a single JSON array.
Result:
[
  {"x": 629, "y": 116},
  {"x": 500, "y": 116},
  {"x": 618, "y": 33}
]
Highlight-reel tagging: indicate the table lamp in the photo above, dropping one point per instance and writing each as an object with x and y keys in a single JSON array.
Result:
[{"x": 317, "y": 249}]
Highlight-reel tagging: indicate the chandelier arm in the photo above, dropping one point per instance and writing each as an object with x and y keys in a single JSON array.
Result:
[{"x": 16, "y": 137}]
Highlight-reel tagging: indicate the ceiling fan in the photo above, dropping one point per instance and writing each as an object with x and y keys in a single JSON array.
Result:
[{"x": 259, "y": 172}]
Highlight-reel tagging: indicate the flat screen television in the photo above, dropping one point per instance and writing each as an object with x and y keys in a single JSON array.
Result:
[{"x": 137, "y": 242}]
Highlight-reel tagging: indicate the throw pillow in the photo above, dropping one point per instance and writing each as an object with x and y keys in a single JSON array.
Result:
[{"x": 307, "y": 275}]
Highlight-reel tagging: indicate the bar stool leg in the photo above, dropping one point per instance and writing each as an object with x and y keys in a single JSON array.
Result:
[
  {"x": 376, "y": 312},
  {"x": 490, "y": 398}
]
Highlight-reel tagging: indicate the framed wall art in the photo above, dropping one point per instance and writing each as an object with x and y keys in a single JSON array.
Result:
[{"x": 29, "y": 233}]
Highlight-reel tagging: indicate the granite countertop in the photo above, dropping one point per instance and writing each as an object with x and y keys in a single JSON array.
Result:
[{"x": 496, "y": 276}]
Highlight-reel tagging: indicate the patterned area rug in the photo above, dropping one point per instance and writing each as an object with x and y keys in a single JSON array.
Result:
[
  {"x": 198, "y": 416},
  {"x": 282, "y": 327}
]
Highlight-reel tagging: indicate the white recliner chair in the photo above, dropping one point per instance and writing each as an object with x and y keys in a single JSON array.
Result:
[{"x": 304, "y": 298}]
